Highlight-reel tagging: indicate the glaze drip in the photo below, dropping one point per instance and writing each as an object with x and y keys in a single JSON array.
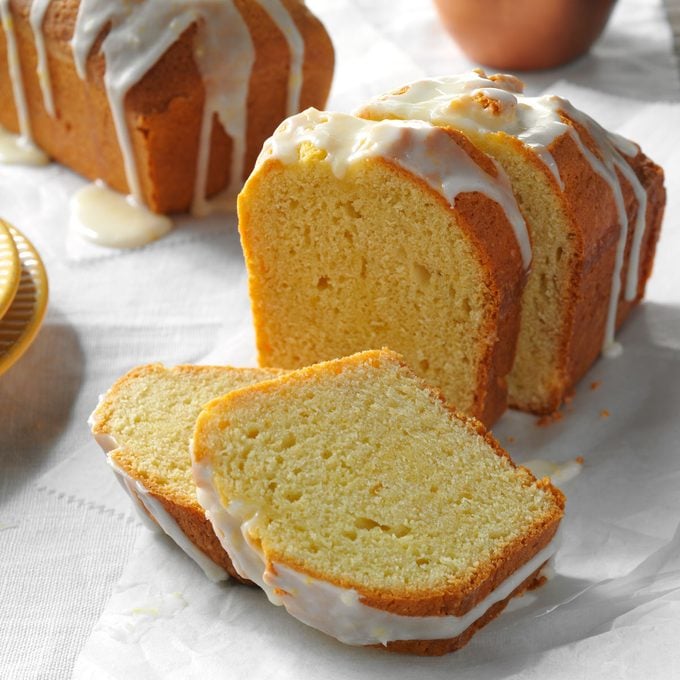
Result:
[
  {"x": 142, "y": 31},
  {"x": 17, "y": 150},
  {"x": 36, "y": 18},
  {"x": 113, "y": 220},
  {"x": 296, "y": 44},
  {"x": 226, "y": 80},
  {"x": 145, "y": 503},
  {"x": 15, "y": 72}
]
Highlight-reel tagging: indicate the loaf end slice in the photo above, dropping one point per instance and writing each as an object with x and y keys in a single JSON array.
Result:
[{"x": 144, "y": 423}]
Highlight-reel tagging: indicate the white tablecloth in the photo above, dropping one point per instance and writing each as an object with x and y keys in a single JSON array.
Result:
[{"x": 64, "y": 542}]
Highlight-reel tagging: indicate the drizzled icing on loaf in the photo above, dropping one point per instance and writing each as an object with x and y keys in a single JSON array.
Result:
[
  {"x": 15, "y": 70},
  {"x": 476, "y": 103},
  {"x": 142, "y": 32},
  {"x": 139, "y": 33},
  {"x": 36, "y": 17},
  {"x": 419, "y": 147}
]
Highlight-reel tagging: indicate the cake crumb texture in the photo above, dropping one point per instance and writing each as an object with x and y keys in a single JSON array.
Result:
[{"x": 359, "y": 474}]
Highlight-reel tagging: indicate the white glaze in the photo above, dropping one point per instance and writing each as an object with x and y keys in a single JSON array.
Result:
[
  {"x": 296, "y": 44},
  {"x": 225, "y": 56},
  {"x": 141, "y": 495},
  {"x": 613, "y": 350},
  {"x": 17, "y": 150},
  {"x": 15, "y": 70},
  {"x": 146, "y": 505},
  {"x": 461, "y": 102},
  {"x": 613, "y": 160},
  {"x": 632, "y": 278},
  {"x": 111, "y": 219},
  {"x": 456, "y": 101},
  {"x": 140, "y": 33},
  {"x": 36, "y": 18},
  {"x": 419, "y": 147},
  {"x": 626, "y": 146},
  {"x": 331, "y": 609}
]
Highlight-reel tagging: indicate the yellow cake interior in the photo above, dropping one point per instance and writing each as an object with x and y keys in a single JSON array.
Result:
[
  {"x": 357, "y": 473},
  {"x": 375, "y": 258},
  {"x": 151, "y": 412},
  {"x": 538, "y": 370}
]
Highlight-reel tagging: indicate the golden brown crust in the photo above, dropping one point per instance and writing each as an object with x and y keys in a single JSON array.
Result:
[
  {"x": 587, "y": 207},
  {"x": 163, "y": 110},
  {"x": 319, "y": 57},
  {"x": 485, "y": 221},
  {"x": 440, "y": 647},
  {"x": 487, "y": 224},
  {"x": 592, "y": 294},
  {"x": 199, "y": 531},
  {"x": 191, "y": 520},
  {"x": 594, "y": 231}
]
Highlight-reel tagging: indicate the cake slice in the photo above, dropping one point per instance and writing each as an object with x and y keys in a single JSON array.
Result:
[
  {"x": 359, "y": 235},
  {"x": 356, "y": 498},
  {"x": 593, "y": 203},
  {"x": 144, "y": 423}
]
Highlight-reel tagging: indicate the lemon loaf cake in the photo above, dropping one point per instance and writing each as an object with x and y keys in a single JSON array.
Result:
[
  {"x": 593, "y": 204},
  {"x": 357, "y": 499},
  {"x": 167, "y": 101},
  {"x": 361, "y": 234},
  {"x": 144, "y": 423}
]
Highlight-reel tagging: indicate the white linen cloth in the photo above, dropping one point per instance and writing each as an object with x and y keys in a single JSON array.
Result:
[{"x": 66, "y": 538}]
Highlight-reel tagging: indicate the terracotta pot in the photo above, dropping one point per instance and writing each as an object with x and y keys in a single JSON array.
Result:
[{"x": 524, "y": 34}]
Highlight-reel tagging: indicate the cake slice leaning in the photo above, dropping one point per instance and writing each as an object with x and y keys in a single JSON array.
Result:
[
  {"x": 359, "y": 235},
  {"x": 593, "y": 204},
  {"x": 357, "y": 499},
  {"x": 144, "y": 423}
]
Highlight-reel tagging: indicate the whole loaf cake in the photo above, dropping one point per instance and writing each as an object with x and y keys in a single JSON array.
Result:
[{"x": 167, "y": 101}]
